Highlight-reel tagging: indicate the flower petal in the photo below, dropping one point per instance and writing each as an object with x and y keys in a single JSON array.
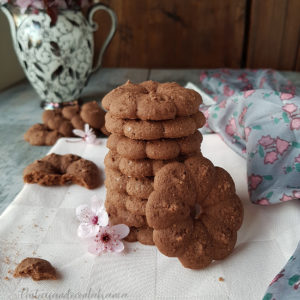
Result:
[
  {"x": 84, "y": 213},
  {"x": 120, "y": 231},
  {"x": 103, "y": 218},
  {"x": 86, "y": 128},
  {"x": 90, "y": 139},
  {"x": 118, "y": 246},
  {"x": 96, "y": 249},
  {"x": 97, "y": 204},
  {"x": 86, "y": 230},
  {"x": 79, "y": 132}
]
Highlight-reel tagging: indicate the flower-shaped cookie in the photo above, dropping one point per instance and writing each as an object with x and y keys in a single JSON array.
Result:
[
  {"x": 151, "y": 100},
  {"x": 194, "y": 211}
]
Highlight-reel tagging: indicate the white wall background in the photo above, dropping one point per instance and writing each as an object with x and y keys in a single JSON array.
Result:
[{"x": 10, "y": 69}]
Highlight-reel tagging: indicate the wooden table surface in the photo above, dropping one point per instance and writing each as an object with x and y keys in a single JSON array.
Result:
[{"x": 20, "y": 108}]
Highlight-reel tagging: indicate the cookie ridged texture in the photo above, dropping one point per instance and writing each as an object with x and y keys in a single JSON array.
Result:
[
  {"x": 152, "y": 101},
  {"x": 137, "y": 187},
  {"x": 118, "y": 212},
  {"x": 154, "y": 130},
  {"x": 137, "y": 167},
  {"x": 129, "y": 210},
  {"x": 144, "y": 235},
  {"x": 157, "y": 149},
  {"x": 194, "y": 211},
  {"x": 56, "y": 169}
]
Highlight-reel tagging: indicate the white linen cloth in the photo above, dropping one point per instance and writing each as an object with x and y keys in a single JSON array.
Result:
[{"x": 41, "y": 222}]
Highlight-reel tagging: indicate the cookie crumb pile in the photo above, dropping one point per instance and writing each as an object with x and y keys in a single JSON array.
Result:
[{"x": 158, "y": 183}]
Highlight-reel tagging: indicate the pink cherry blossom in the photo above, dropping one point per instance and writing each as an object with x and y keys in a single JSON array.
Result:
[
  {"x": 231, "y": 127},
  {"x": 266, "y": 141},
  {"x": 271, "y": 157},
  {"x": 255, "y": 181},
  {"x": 297, "y": 159},
  {"x": 295, "y": 124},
  {"x": 286, "y": 96},
  {"x": 87, "y": 135},
  {"x": 228, "y": 91},
  {"x": 248, "y": 93},
  {"x": 108, "y": 239},
  {"x": 286, "y": 198},
  {"x": 263, "y": 201},
  {"x": 281, "y": 145},
  {"x": 91, "y": 218},
  {"x": 247, "y": 131},
  {"x": 290, "y": 108}
]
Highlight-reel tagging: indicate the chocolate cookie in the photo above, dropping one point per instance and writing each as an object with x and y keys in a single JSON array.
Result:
[
  {"x": 39, "y": 135},
  {"x": 115, "y": 205},
  {"x": 92, "y": 114},
  {"x": 137, "y": 168},
  {"x": 54, "y": 120},
  {"x": 152, "y": 101},
  {"x": 36, "y": 268},
  {"x": 194, "y": 211},
  {"x": 137, "y": 187},
  {"x": 57, "y": 169},
  {"x": 144, "y": 235},
  {"x": 61, "y": 122},
  {"x": 154, "y": 130},
  {"x": 157, "y": 149}
]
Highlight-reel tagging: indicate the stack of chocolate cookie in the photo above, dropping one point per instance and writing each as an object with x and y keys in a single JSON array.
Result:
[{"x": 151, "y": 124}]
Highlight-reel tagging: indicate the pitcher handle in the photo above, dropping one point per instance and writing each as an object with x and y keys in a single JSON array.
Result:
[{"x": 94, "y": 26}]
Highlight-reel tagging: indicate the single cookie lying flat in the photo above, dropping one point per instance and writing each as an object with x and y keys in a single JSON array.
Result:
[
  {"x": 36, "y": 268},
  {"x": 137, "y": 168},
  {"x": 57, "y": 169},
  {"x": 157, "y": 149},
  {"x": 194, "y": 211},
  {"x": 137, "y": 187},
  {"x": 151, "y": 100},
  {"x": 154, "y": 130}
]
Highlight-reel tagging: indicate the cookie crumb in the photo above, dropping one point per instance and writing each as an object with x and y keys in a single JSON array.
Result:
[
  {"x": 36, "y": 268},
  {"x": 221, "y": 279},
  {"x": 6, "y": 278}
]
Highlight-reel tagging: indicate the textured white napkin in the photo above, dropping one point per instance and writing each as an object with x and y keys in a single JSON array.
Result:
[{"x": 41, "y": 222}]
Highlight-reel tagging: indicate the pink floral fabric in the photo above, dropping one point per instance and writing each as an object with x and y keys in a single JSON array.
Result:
[{"x": 258, "y": 115}]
